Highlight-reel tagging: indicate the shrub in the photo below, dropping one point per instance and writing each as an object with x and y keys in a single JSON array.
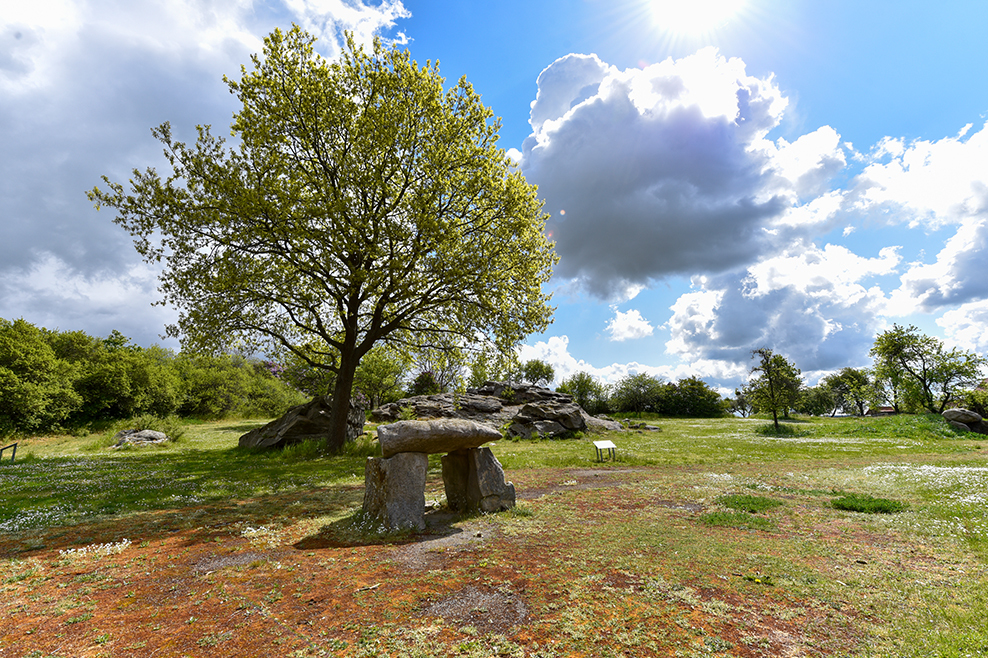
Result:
[
  {"x": 867, "y": 504},
  {"x": 781, "y": 430},
  {"x": 424, "y": 384}
]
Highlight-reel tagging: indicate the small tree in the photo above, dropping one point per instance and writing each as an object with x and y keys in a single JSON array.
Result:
[
  {"x": 538, "y": 372},
  {"x": 587, "y": 392},
  {"x": 424, "y": 384},
  {"x": 380, "y": 375},
  {"x": 776, "y": 385},
  {"x": 638, "y": 393},
  {"x": 741, "y": 404},
  {"x": 851, "y": 389},
  {"x": 691, "y": 398},
  {"x": 816, "y": 401}
]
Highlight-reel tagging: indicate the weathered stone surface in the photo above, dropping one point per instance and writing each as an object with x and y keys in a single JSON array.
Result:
[
  {"x": 474, "y": 480},
  {"x": 595, "y": 424},
  {"x": 495, "y": 404},
  {"x": 308, "y": 421},
  {"x": 966, "y": 421},
  {"x": 433, "y": 436},
  {"x": 138, "y": 437},
  {"x": 962, "y": 416},
  {"x": 443, "y": 405},
  {"x": 548, "y": 419},
  {"x": 394, "y": 490}
]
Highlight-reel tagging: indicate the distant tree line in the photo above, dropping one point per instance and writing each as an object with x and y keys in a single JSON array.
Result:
[
  {"x": 62, "y": 379},
  {"x": 50, "y": 380},
  {"x": 911, "y": 373}
]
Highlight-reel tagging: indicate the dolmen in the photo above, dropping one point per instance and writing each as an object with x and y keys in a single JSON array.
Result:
[{"x": 394, "y": 492}]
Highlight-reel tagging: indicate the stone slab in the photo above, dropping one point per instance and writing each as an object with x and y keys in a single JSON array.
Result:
[
  {"x": 433, "y": 436},
  {"x": 394, "y": 490}
]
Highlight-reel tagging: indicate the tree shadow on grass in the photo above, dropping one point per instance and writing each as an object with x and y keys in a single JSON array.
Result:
[
  {"x": 60, "y": 502},
  {"x": 206, "y": 522},
  {"x": 358, "y": 529}
]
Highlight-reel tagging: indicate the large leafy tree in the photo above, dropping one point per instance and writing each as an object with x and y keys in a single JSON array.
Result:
[
  {"x": 932, "y": 373},
  {"x": 362, "y": 203},
  {"x": 776, "y": 384}
]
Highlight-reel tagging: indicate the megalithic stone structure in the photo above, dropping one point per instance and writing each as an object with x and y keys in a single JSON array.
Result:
[
  {"x": 394, "y": 492},
  {"x": 474, "y": 480}
]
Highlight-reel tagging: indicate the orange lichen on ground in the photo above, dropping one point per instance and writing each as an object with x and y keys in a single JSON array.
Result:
[{"x": 591, "y": 571}]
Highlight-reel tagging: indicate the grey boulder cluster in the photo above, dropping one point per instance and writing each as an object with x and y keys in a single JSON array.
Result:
[
  {"x": 394, "y": 485},
  {"x": 138, "y": 438},
  {"x": 966, "y": 421},
  {"x": 524, "y": 410}
]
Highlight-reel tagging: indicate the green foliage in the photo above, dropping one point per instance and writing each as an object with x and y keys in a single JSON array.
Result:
[
  {"x": 741, "y": 404},
  {"x": 919, "y": 368},
  {"x": 424, "y": 384},
  {"x": 231, "y": 386},
  {"x": 587, "y": 392},
  {"x": 851, "y": 389},
  {"x": 363, "y": 203},
  {"x": 976, "y": 401},
  {"x": 637, "y": 393},
  {"x": 776, "y": 387},
  {"x": 866, "y": 504},
  {"x": 691, "y": 398},
  {"x": 538, "y": 372},
  {"x": 778, "y": 429},
  {"x": 380, "y": 375},
  {"x": 817, "y": 401},
  {"x": 36, "y": 387},
  {"x": 748, "y": 503}
]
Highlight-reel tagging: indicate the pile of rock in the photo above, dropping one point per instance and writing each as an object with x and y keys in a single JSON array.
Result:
[
  {"x": 394, "y": 485},
  {"x": 308, "y": 421},
  {"x": 138, "y": 438},
  {"x": 524, "y": 409},
  {"x": 966, "y": 420}
]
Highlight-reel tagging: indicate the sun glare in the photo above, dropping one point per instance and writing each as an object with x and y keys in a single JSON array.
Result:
[{"x": 694, "y": 16}]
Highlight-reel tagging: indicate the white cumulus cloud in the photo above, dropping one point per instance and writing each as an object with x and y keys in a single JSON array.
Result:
[
  {"x": 667, "y": 169},
  {"x": 628, "y": 325}
]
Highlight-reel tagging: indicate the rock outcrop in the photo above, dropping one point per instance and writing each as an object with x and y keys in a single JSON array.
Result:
[
  {"x": 138, "y": 437},
  {"x": 966, "y": 420},
  {"x": 312, "y": 420},
  {"x": 525, "y": 410}
]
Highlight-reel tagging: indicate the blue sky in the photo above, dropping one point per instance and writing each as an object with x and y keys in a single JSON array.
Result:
[{"x": 797, "y": 174}]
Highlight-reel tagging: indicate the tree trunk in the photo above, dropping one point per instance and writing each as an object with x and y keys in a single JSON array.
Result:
[{"x": 341, "y": 402}]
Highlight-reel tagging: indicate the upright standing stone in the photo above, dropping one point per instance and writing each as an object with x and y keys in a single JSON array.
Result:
[
  {"x": 394, "y": 490},
  {"x": 474, "y": 480}
]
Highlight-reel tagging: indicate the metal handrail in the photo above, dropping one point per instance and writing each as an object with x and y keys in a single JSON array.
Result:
[{"x": 13, "y": 452}]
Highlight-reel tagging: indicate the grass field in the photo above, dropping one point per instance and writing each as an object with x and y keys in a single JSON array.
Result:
[{"x": 707, "y": 538}]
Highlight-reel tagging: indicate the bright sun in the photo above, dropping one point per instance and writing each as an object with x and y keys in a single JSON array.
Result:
[{"x": 694, "y": 16}]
